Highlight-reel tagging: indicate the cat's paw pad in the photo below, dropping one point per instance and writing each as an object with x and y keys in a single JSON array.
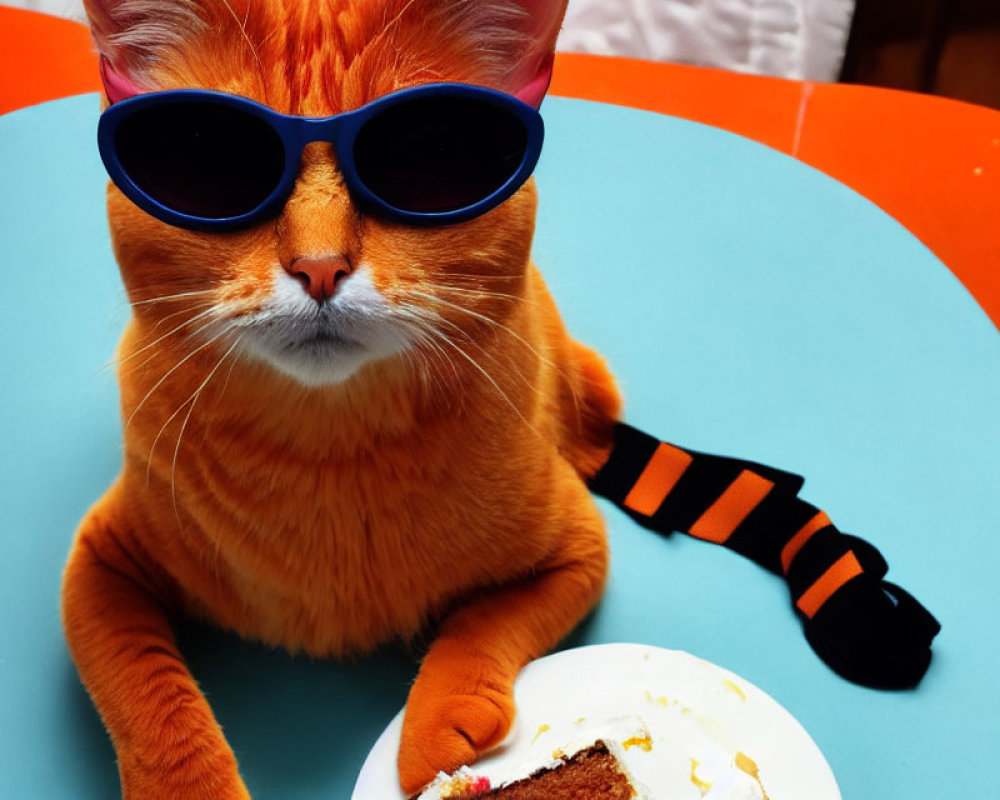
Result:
[{"x": 448, "y": 731}]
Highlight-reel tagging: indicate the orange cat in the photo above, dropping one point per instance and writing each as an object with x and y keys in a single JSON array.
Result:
[{"x": 328, "y": 473}]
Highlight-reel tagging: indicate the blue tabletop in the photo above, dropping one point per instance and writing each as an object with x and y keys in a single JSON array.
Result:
[{"x": 749, "y": 305}]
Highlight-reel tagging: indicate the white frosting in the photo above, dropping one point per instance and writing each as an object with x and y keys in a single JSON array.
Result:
[
  {"x": 685, "y": 761},
  {"x": 679, "y": 756}
]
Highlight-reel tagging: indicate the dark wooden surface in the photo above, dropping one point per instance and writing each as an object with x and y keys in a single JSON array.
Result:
[{"x": 945, "y": 47}]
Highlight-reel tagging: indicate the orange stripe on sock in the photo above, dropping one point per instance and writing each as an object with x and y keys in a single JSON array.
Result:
[
  {"x": 725, "y": 514},
  {"x": 793, "y": 545},
  {"x": 843, "y": 569},
  {"x": 658, "y": 478}
]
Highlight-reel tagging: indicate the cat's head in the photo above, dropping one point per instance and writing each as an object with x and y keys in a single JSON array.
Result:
[{"x": 395, "y": 288}]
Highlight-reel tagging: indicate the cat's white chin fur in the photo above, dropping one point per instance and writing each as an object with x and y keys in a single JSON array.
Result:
[{"x": 322, "y": 345}]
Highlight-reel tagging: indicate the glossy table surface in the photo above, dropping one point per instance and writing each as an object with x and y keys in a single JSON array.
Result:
[
  {"x": 933, "y": 164},
  {"x": 750, "y": 305}
]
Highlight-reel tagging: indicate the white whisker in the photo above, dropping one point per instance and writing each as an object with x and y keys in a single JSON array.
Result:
[
  {"x": 246, "y": 37},
  {"x": 495, "y": 385},
  {"x": 186, "y": 310},
  {"x": 229, "y": 375},
  {"x": 177, "y": 445},
  {"x": 169, "y": 372},
  {"x": 199, "y": 316},
  {"x": 439, "y": 336},
  {"x": 420, "y": 323},
  {"x": 481, "y": 293},
  {"x": 469, "y": 276},
  {"x": 500, "y": 326},
  {"x": 169, "y": 297}
]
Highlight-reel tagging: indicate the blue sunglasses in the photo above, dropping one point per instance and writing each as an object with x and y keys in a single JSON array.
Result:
[{"x": 429, "y": 155}]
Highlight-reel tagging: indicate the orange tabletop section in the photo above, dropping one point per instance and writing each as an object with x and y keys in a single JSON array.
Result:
[
  {"x": 932, "y": 163},
  {"x": 761, "y": 108},
  {"x": 43, "y": 58}
]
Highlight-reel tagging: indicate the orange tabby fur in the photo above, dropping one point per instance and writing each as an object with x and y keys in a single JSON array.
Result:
[{"x": 441, "y": 487}]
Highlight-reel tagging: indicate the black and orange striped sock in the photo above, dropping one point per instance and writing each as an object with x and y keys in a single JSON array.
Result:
[{"x": 866, "y": 629}]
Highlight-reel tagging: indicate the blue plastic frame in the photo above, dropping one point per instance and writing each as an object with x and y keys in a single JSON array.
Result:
[{"x": 296, "y": 132}]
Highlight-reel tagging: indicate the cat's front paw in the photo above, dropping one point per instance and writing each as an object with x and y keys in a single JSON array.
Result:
[
  {"x": 450, "y": 720},
  {"x": 193, "y": 777}
]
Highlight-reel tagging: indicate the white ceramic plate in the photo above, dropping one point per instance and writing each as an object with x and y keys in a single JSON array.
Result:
[{"x": 564, "y": 692}]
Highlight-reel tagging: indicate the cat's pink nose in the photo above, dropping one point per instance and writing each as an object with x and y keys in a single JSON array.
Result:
[{"x": 320, "y": 275}]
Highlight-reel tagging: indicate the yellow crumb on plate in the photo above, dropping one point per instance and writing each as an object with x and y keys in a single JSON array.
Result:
[
  {"x": 642, "y": 742},
  {"x": 733, "y": 687},
  {"x": 703, "y": 786},
  {"x": 543, "y": 728},
  {"x": 746, "y": 764}
]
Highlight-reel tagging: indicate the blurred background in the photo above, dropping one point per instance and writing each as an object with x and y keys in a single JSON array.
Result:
[{"x": 946, "y": 47}]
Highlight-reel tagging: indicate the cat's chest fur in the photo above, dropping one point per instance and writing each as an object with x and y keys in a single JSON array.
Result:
[{"x": 339, "y": 553}]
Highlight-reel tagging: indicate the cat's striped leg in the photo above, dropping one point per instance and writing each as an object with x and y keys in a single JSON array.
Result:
[
  {"x": 866, "y": 629},
  {"x": 462, "y": 701},
  {"x": 115, "y": 608}
]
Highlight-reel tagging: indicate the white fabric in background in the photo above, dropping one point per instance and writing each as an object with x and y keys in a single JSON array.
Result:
[
  {"x": 73, "y": 9},
  {"x": 802, "y": 39},
  {"x": 787, "y": 38}
]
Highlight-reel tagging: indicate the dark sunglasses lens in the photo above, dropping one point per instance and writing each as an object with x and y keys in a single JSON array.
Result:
[
  {"x": 203, "y": 159},
  {"x": 440, "y": 153}
]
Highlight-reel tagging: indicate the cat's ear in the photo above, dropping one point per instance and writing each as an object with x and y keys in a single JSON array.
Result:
[
  {"x": 512, "y": 42},
  {"x": 131, "y": 35},
  {"x": 540, "y": 24}
]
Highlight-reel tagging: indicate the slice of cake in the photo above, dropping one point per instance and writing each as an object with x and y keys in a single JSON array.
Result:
[
  {"x": 616, "y": 760},
  {"x": 593, "y": 772}
]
